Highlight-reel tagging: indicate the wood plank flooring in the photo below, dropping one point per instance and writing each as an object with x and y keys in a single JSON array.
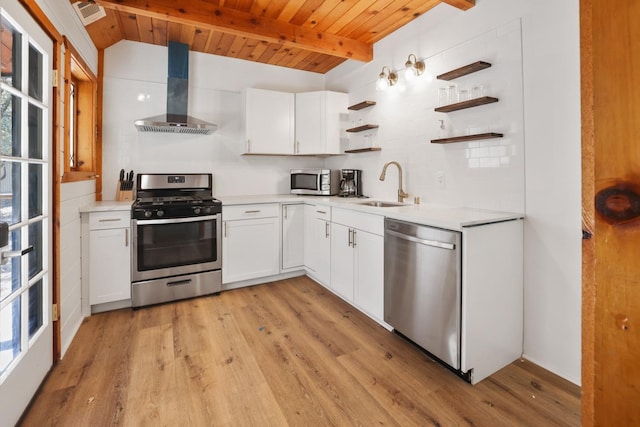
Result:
[{"x": 288, "y": 353}]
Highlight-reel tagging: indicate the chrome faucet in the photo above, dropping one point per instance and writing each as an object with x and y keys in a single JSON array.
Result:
[{"x": 401, "y": 193}]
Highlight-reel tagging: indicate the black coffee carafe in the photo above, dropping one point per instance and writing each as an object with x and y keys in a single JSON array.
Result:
[{"x": 351, "y": 183}]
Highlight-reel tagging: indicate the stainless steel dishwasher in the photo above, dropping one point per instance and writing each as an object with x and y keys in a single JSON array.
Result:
[{"x": 422, "y": 287}]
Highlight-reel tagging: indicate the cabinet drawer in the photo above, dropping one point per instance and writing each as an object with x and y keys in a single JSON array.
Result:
[
  {"x": 319, "y": 211},
  {"x": 266, "y": 210},
  {"x": 110, "y": 219},
  {"x": 361, "y": 221}
]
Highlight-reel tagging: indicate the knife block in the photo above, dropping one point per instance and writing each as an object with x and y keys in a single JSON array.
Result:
[{"x": 123, "y": 195}]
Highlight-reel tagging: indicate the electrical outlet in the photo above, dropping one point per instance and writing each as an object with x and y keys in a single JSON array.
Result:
[{"x": 440, "y": 181}]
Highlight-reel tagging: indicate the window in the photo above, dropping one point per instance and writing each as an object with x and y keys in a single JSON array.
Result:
[{"x": 80, "y": 100}]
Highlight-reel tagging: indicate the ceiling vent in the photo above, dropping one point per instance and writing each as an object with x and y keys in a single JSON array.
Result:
[{"x": 89, "y": 12}]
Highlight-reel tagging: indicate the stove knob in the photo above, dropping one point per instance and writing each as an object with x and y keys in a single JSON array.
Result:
[
  {"x": 196, "y": 211},
  {"x": 160, "y": 212},
  {"x": 147, "y": 214},
  {"x": 207, "y": 210}
]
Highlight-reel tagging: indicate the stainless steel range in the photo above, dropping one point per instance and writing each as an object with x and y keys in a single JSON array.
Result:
[{"x": 176, "y": 225}]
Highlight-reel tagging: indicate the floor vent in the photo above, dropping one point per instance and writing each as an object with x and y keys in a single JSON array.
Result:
[{"x": 89, "y": 12}]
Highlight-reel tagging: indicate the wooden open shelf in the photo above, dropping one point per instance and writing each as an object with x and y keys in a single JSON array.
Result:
[
  {"x": 475, "y": 137},
  {"x": 463, "y": 71},
  {"x": 362, "y": 128},
  {"x": 363, "y": 150},
  {"x": 467, "y": 104},
  {"x": 361, "y": 105}
]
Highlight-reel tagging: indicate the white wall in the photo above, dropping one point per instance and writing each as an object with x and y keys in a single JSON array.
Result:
[
  {"x": 64, "y": 18},
  {"x": 551, "y": 127},
  {"x": 73, "y": 196},
  {"x": 135, "y": 88}
]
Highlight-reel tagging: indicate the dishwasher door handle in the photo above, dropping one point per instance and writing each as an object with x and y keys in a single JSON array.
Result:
[{"x": 434, "y": 243}]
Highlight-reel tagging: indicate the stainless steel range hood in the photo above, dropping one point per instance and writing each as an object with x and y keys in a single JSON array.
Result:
[{"x": 176, "y": 119}]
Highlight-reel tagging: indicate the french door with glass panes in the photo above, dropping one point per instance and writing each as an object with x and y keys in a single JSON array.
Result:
[{"x": 25, "y": 286}]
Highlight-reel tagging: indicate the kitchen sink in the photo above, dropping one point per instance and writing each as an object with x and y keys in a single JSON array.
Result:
[{"x": 381, "y": 204}]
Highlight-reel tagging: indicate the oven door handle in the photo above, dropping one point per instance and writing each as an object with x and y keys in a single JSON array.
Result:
[{"x": 175, "y": 220}]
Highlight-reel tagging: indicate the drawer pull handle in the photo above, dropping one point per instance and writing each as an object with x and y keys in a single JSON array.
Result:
[
  {"x": 179, "y": 282},
  {"x": 322, "y": 212},
  {"x": 109, "y": 220},
  {"x": 251, "y": 212}
]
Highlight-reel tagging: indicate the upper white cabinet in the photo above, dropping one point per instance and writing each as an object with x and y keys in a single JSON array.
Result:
[
  {"x": 318, "y": 122},
  {"x": 250, "y": 242},
  {"x": 308, "y": 123},
  {"x": 292, "y": 236},
  {"x": 269, "y": 121}
]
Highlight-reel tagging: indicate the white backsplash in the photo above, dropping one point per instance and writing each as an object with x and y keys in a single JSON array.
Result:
[{"x": 486, "y": 174}]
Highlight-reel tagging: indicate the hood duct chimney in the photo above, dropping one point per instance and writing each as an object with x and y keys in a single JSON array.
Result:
[{"x": 176, "y": 120}]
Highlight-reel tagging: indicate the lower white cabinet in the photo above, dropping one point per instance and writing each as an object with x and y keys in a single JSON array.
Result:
[
  {"x": 292, "y": 236},
  {"x": 317, "y": 242},
  {"x": 250, "y": 241},
  {"x": 357, "y": 260},
  {"x": 109, "y": 254}
]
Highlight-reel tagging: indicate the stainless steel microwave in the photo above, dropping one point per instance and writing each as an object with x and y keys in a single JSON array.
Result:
[{"x": 315, "y": 182}]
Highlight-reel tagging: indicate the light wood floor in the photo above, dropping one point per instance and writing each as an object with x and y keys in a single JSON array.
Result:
[{"x": 288, "y": 353}]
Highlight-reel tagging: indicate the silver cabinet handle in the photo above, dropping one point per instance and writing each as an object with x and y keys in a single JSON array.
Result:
[
  {"x": 252, "y": 212},
  {"x": 297, "y": 147},
  {"x": 248, "y": 145},
  {"x": 326, "y": 229},
  {"x": 322, "y": 212},
  {"x": 109, "y": 220},
  {"x": 355, "y": 235},
  {"x": 126, "y": 237},
  {"x": 5, "y": 255},
  {"x": 350, "y": 238},
  {"x": 225, "y": 228},
  {"x": 284, "y": 211}
]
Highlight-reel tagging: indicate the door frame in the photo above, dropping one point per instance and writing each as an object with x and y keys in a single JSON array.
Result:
[{"x": 610, "y": 214}]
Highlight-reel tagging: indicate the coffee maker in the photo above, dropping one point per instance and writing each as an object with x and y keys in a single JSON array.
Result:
[{"x": 351, "y": 183}]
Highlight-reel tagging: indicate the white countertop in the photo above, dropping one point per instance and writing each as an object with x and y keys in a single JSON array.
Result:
[
  {"x": 106, "y": 206},
  {"x": 449, "y": 217},
  {"x": 452, "y": 218}
]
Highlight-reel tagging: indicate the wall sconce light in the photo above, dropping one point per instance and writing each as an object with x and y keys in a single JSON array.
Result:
[
  {"x": 386, "y": 79},
  {"x": 413, "y": 68}
]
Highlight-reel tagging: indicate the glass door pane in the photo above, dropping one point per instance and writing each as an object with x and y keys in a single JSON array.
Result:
[{"x": 24, "y": 195}]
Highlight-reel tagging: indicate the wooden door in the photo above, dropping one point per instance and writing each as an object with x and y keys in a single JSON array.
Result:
[{"x": 611, "y": 205}]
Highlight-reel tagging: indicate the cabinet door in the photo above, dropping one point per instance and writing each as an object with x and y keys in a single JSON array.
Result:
[
  {"x": 317, "y": 243},
  {"x": 250, "y": 249},
  {"x": 269, "y": 119},
  {"x": 369, "y": 273},
  {"x": 292, "y": 236},
  {"x": 109, "y": 265},
  {"x": 310, "y": 123},
  {"x": 342, "y": 271}
]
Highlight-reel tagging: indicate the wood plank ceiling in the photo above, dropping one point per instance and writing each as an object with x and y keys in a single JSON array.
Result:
[{"x": 310, "y": 35}]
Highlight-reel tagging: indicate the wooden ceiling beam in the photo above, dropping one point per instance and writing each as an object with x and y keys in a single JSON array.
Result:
[
  {"x": 460, "y": 4},
  {"x": 231, "y": 21}
]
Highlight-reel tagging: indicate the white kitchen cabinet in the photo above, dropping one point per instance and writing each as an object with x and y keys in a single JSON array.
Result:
[
  {"x": 292, "y": 236},
  {"x": 317, "y": 242},
  {"x": 269, "y": 121},
  {"x": 320, "y": 121},
  {"x": 357, "y": 260},
  {"x": 109, "y": 254},
  {"x": 250, "y": 242}
]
